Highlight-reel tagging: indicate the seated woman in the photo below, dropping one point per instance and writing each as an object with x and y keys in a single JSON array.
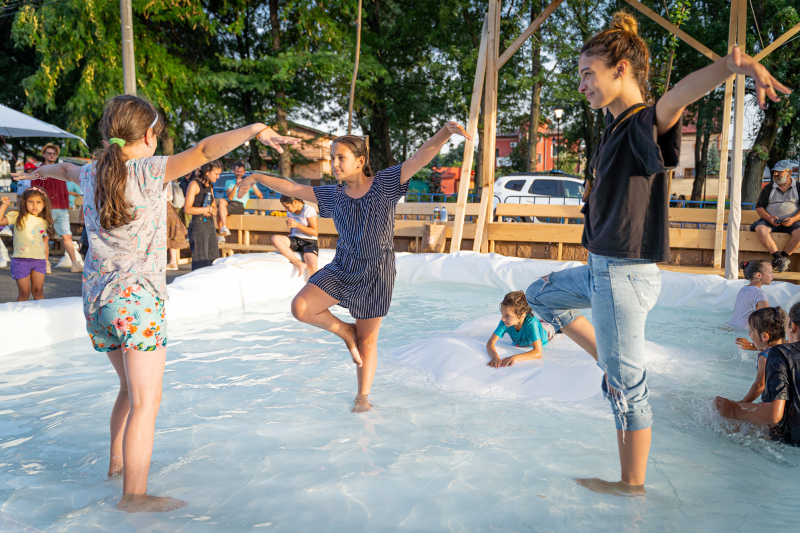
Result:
[
  {"x": 302, "y": 219},
  {"x": 524, "y": 329}
]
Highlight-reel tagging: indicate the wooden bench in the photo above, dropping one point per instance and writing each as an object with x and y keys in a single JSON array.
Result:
[{"x": 680, "y": 238}]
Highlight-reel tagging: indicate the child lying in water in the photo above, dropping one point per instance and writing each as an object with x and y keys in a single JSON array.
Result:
[{"x": 524, "y": 329}]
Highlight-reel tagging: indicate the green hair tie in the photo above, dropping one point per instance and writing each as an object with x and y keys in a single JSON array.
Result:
[{"x": 114, "y": 140}]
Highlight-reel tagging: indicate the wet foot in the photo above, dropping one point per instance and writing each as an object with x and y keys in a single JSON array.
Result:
[
  {"x": 301, "y": 269},
  {"x": 352, "y": 345},
  {"x": 115, "y": 467},
  {"x": 361, "y": 404},
  {"x": 145, "y": 503},
  {"x": 615, "y": 488}
]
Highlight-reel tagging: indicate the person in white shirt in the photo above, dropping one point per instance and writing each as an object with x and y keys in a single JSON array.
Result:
[{"x": 302, "y": 219}]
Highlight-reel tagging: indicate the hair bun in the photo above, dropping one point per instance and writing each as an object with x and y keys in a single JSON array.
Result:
[{"x": 625, "y": 22}]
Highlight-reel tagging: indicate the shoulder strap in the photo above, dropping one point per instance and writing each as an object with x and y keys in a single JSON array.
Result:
[{"x": 628, "y": 115}]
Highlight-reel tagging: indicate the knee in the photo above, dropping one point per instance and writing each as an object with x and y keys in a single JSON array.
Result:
[
  {"x": 763, "y": 231},
  {"x": 38, "y": 294},
  {"x": 367, "y": 346},
  {"x": 146, "y": 403},
  {"x": 274, "y": 240},
  {"x": 299, "y": 309}
]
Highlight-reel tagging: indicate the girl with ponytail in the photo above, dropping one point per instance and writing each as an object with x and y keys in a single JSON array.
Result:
[
  {"x": 361, "y": 275},
  {"x": 627, "y": 230},
  {"x": 124, "y": 278}
]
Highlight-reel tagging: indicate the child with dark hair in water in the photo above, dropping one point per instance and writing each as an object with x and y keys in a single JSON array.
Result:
[
  {"x": 766, "y": 330},
  {"x": 779, "y": 409},
  {"x": 524, "y": 329},
  {"x": 751, "y": 297}
]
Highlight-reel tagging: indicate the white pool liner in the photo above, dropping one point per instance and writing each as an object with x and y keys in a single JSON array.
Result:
[
  {"x": 243, "y": 280},
  {"x": 457, "y": 360}
]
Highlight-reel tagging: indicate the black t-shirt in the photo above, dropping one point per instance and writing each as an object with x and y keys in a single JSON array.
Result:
[
  {"x": 627, "y": 213},
  {"x": 781, "y": 383}
]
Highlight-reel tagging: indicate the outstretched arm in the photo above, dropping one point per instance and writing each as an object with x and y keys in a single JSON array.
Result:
[
  {"x": 283, "y": 186},
  {"x": 59, "y": 171},
  {"x": 428, "y": 151},
  {"x": 699, "y": 83},
  {"x": 218, "y": 145},
  {"x": 765, "y": 413}
]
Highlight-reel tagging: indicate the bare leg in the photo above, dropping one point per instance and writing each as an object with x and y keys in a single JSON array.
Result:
[
  {"x": 222, "y": 212},
  {"x": 119, "y": 415},
  {"x": 634, "y": 449},
  {"x": 23, "y": 289},
  {"x": 311, "y": 305},
  {"x": 368, "y": 330},
  {"x": 145, "y": 373},
  {"x": 311, "y": 263},
  {"x": 582, "y": 332},
  {"x": 70, "y": 249},
  {"x": 172, "y": 254},
  {"x": 793, "y": 244},
  {"x": 765, "y": 237},
  {"x": 37, "y": 285},
  {"x": 282, "y": 243}
]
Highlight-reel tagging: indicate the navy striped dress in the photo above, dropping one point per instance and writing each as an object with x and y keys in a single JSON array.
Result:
[{"x": 361, "y": 275}]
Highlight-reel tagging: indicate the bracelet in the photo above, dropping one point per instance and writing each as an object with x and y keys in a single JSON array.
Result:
[
  {"x": 260, "y": 132},
  {"x": 38, "y": 177}
]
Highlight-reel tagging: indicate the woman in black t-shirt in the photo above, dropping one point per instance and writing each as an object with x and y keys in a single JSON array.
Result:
[{"x": 627, "y": 226}]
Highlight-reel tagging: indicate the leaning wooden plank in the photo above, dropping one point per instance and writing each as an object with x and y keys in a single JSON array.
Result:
[
  {"x": 682, "y": 35},
  {"x": 538, "y": 21}
]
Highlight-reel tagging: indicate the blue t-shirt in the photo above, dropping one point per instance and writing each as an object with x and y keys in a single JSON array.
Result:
[
  {"x": 530, "y": 332},
  {"x": 73, "y": 187},
  {"x": 231, "y": 184}
]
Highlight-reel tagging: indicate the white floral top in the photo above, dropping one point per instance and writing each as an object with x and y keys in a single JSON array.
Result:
[{"x": 133, "y": 254}]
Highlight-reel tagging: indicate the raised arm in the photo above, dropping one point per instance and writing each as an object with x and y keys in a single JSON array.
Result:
[
  {"x": 59, "y": 171},
  {"x": 699, "y": 83},
  {"x": 4, "y": 203},
  {"x": 428, "y": 151},
  {"x": 218, "y": 145},
  {"x": 283, "y": 186}
]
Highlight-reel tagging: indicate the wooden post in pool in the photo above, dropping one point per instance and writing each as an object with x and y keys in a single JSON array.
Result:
[
  {"x": 722, "y": 188},
  {"x": 732, "y": 248},
  {"x": 489, "y": 127},
  {"x": 469, "y": 144}
]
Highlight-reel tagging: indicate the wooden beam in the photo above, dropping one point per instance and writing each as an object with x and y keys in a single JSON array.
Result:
[
  {"x": 779, "y": 41},
  {"x": 481, "y": 229},
  {"x": 538, "y": 21},
  {"x": 722, "y": 190},
  {"x": 732, "y": 249},
  {"x": 489, "y": 126},
  {"x": 672, "y": 28},
  {"x": 469, "y": 144}
]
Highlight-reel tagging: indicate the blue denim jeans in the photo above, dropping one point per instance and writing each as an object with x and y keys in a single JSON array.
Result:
[{"x": 620, "y": 293}]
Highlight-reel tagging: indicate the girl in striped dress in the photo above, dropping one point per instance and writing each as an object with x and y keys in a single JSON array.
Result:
[{"x": 361, "y": 275}]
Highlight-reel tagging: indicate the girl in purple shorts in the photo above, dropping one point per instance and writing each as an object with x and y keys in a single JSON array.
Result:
[{"x": 33, "y": 224}]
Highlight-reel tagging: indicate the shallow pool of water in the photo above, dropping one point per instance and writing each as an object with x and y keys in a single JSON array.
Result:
[{"x": 255, "y": 431}]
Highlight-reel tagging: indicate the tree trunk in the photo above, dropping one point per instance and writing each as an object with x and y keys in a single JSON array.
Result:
[
  {"x": 757, "y": 157},
  {"x": 168, "y": 143},
  {"x": 536, "y": 93},
  {"x": 700, "y": 151},
  {"x": 284, "y": 159},
  {"x": 783, "y": 142}
]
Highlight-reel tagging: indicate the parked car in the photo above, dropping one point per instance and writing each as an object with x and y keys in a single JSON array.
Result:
[{"x": 553, "y": 187}]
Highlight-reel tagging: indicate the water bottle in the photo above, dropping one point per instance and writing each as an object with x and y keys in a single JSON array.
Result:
[
  {"x": 436, "y": 214},
  {"x": 207, "y": 202},
  {"x": 443, "y": 214}
]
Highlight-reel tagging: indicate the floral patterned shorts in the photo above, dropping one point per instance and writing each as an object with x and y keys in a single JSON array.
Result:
[{"x": 134, "y": 320}]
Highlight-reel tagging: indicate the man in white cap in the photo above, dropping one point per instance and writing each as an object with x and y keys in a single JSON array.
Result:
[{"x": 778, "y": 205}]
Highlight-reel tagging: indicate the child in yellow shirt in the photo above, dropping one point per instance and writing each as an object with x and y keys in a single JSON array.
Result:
[{"x": 32, "y": 226}]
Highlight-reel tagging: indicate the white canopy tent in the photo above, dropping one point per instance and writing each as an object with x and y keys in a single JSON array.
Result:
[{"x": 16, "y": 124}]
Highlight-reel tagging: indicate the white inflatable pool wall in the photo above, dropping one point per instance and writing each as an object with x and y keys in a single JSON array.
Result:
[{"x": 242, "y": 280}]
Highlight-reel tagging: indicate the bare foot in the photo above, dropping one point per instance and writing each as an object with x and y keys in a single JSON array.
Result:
[
  {"x": 115, "y": 466},
  {"x": 145, "y": 503},
  {"x": 361, "y": 404},
  {"x": 352, "y": 345},
  {"x": 301, "y": 268},
  {"x": 615, "y": 488}
]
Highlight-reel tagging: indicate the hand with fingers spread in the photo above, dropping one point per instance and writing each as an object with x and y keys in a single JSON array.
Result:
[
  {"x": 745, "y": 344},
  {"x": 17, "y": 176},
  {"x": 766, "y": 84},
  {"x": 458, "y": 129},
  {"x": 269, "y": 137}
]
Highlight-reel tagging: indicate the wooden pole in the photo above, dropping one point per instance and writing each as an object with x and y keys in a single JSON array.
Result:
[
  {"x": 489, "y": 128},
  {"x": 128, "y": 56},
  {"x": 732, "y": 249},
  {"x": 722, "y": 190},
  {"x": 779, "y": 41},
  {"x": 355, "y": 73},
  {"x": 469, "y": 144},
  {"x": 480, "y": 229}
]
